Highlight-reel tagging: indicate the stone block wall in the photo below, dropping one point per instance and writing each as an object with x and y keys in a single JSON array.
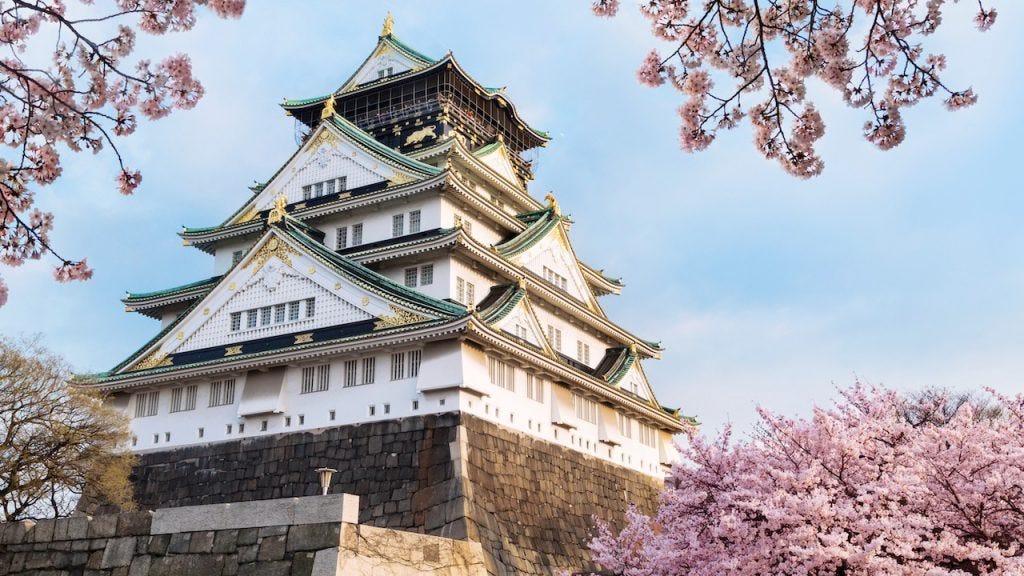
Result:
[{"x": 529, "y": 503}]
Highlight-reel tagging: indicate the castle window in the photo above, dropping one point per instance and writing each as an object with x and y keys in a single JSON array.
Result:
[
  {"x": 263, "y": 426},
  {"x": 414, "y": 221},
  {"x": 229, "y": 428},
  {"x": 415, "y": 404},
  {"x": 460, "y": 290},
  {"x": 287, "y": 421},
  {"x": 236, "y": 321},
  {"x": 329, "y": 187},
  {"x": 410, "y": 277},
  {"x": 625, "y": 425},
  {"x": 236, "y": 256},
  {"x": 331, "y": 415},
  {"x": 369, "y": 370},
  {"x": 265, "y": 315},
  {"x": 250, "y": 318},
  {"x": 648, "y": 435},
  {"x": 555, "y": 279},
  {"x": 279, "y": 313},
  {"x": 222, "y": 392},
  {"x": 414, "y": 363},
  {"x": 387, "y": 408},
  {"x": 316, "y": 378},
  {"x": 146, "y": 403},
  {"x": 184, "y": 398},
  {"x": 156, "y": 438},
  {"x": 302, "y": 419},
  {"x": 350, "y": 373},
  {"x": 342, "y": 183},
  {"x": 585, "y": 408},
  {"x": 357, "y": 234},
  {"x": 310, "y": 307},
  {"x": 167, "y": 436},
  {"x": 341, "y": 238},
  {"x": 373, "y": 410},
  {"x": 521, "y": 331},
  {"x": 307, "y": 192},
  {"x": 583, "y": 352},
  {"x": 502, "y": 374},
  {"x": 202, "y": 432},
  {"x": 293, "y": 310},
  {"x": 241, "y": 427},
  {"x": 555, "y": 337},
  {"x": 427, "y": 275},
  {"x": 398, "y": 366},
  {"x": 397, "y": 225},
  {"x": 534, "y": 388},
  {"x": 318, "y": 189}
]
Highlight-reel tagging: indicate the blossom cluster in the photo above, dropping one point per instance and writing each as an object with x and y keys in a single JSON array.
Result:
[
  {"x": 765, "y": 51},
  {"x": 84, "y": 96},
  {"x": 878, "y": 484}
]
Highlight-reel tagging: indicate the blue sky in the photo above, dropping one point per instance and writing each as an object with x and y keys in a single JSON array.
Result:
[{"x": 900, "y": 267}]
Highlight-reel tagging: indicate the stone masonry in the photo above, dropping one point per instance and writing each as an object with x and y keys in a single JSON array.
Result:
[
  {"x": 527, "y": 502},
  {"x": 312, "y": 536}
]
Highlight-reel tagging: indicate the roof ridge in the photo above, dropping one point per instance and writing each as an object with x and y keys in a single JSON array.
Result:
[{"x": 172, "y": 290}]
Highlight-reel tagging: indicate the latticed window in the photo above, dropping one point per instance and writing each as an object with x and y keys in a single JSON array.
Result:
[
  {"x": 502, "y": 374},
  {"x": 146, "y": 403},
  {"x": 316, "y": 378},
  {"x": 250, "y": 319},
  {"x": 555, "y": 337},
  {"x": 369, "y": 370},
  {"x": 414, "y": 363},
  {"x": 460, "y": 290},
  {"x": 310, "y": 307},
  {"x": 350, "y": 373},
  {"x": 184, "y": 398},
  {"x": 426, "y": 274},
  {"x": 583, "y": 352},
  {"x": 279, "y": 313},
  {"x": 555, "y": 279},
  {"x": 648, "y": 435},
  {"x": 357, "y": 234},
  {"x": 534, "y": 388},
  {"x": 265, "y": 315},
  {"x": 341, "y": 239},
  {"x": 397, "y": 225},
  {"x": 293, "y": 310},
  {"x": 414, "y": 221},
  {"x": 410, "y": 277},
  {"x": 585, "y": 408},
  {"x": 222, "y": 392},
  {"x": 236, "y": 256},
  {"x": 625, "y": 425},
  {"x": 398, "y": 366},
  {"x": 236, "y": 321}
]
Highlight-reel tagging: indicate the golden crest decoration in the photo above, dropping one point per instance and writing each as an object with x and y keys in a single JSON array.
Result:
[
  {"x": 156, "y": 359},
  {"x": 273, "y": 247},
  {"x": 398, "y": 317}
]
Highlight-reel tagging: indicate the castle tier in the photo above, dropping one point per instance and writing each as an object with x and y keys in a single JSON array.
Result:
[{"x": 395, "y": 266}]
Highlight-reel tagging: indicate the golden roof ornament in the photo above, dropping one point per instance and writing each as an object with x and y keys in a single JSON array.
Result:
[
  {"x": 552, "y": 203},
  {"x": 278, "y": 212},
  {"x": 328, "y": 110},
  {"x": 389, "y": 26}
]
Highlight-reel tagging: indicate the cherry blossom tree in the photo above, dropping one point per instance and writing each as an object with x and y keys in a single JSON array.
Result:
[
  {"x": 761, "y": 54},
  {"x": 67, "y": 85},
  {"x": 878, "y": 484}
]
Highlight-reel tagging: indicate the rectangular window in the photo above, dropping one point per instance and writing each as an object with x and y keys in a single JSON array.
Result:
[
  {"x": 415, "y": 404},
  {"x": 648, "y": 435},
  {"x": 307, "y": 192},
  {"x": 625, "y": 425},
  {"x": 470, "y": 294},
  {"x": 316, "y": 378},
  {"x": 302, "y": 419},
  {"x": 458, "y": 220},
  {"x": 341, "y": 238},
  {"x": 357, "y": 234},
  {"x": 397, "y": 225},
  {"x": 414, "y": 221},
  {"x": 318, "y": 189},
  {"x": 332, "y": 415},
  {"x": 310, "y": 307},
  {"x": 228, "y": 428},
  {"x": 387, "y": 408},
  {"x": 521, "y": 331},
  {"x": 250, "y": 318},
  {"x": 241, "y": 427},
  {"x": 287, "y": 420},
  {"x": 236, "y": 321},
  {"x": 265, "y": 315},
  {"x": 350, "y": 373},
  {"x": 414, "y": 363},
  {"x": 329, "y": 187},
  {"x": 222, "y": 392},
  {"x": 583, "y": 352},
  {"x": 398, "y": 366},
  {"x": 534, "y": 388},
  {"x": 585, "y": 408},
  {"x": 279, "y": 313},
  {"x": 555, "y": 337},
  {"x": 176, "y": 395},
  {"x": 460, "y": 290},
  {"x": 373, "y": 409},
  {"x": 410, "y": 277},
  {"x": 502, "y": 374},
  {"x": 146, "y": 403},
  {"x": 342, "y": 183},
  {"x": 427, "y": 275},
  {"x": 369, "y": 370},
  {"x": 263, "y": 426},
  {"x": 184, "y": 398},
  {"x": 236, "y": 256},
  {"x": 202, "y": 432},
  {"x": 468, "y": 227},
  {"x": 293, "y": 310}
]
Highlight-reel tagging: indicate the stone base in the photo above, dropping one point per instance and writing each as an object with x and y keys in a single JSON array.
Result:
[{"x": 528, "y": 502}]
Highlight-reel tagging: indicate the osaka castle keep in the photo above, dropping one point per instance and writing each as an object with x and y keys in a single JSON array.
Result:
[{"x": 393, "y": 303}]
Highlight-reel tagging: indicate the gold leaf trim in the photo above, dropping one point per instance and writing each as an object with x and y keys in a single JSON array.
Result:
[
  {"x": 273, "y": 247},
  {"x": 156, "y": 359},
  {"x": 233, "y": 350},
  {"x": 398, "y": 317},
  {"x": 304, "y": 338}
]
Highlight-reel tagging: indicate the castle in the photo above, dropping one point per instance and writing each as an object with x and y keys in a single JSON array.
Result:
[{"x": 392, "y": 302}]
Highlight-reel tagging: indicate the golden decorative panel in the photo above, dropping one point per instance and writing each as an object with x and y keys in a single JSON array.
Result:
[
  {"x": 304, "y": 338},
  {"x": 324, "y": 137},
  {"x": 273, "y": 247},
  {"x": 398, "y": 317},
  {"x": 233, "y": 350},
  {"x": 155, "y": 360}
]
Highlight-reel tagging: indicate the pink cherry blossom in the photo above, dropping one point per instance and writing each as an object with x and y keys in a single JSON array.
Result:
[
  {"x": 761, "y": 53},
  {"x": 79, "y": 96},
  {"x": 880, "y": 483}
]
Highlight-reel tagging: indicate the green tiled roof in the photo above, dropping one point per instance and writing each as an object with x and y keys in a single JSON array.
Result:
[
  {"x": 487, "y": 149},
  {"x": 304, "y": 101},
  {"x": 136, "y": 296},
  {"x": 500, "y": 302},
  {"x": 540, "y": 223},
  {"x": 408, "y": 50},
  {"x": 616, "y": 363},
  {"x": 376, "y": 147}
]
